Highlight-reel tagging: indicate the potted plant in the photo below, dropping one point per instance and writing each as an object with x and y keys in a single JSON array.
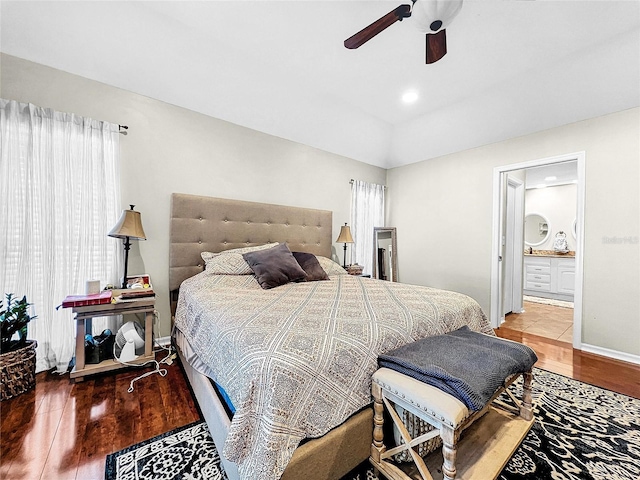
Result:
[{"x": 17, "y": 356}]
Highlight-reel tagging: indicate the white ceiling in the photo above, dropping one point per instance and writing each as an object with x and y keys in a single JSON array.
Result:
[
  {"x": 551, "y": 175},
  {"x": 513, "y": 66}
]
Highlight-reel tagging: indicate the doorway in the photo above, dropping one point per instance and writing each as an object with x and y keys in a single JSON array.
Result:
[
  {"x": 513, "y": 239},
  {"x": 501, "y": 271}
]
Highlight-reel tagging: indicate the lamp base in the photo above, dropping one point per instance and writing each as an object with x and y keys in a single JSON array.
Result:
[
  {"x": 344, "y": 261},
  {"x": 127, "y": 246}
]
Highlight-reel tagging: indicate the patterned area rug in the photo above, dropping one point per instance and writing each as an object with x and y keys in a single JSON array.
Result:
[
  {"x": 186, "y": 453},
  {"x": 581, "y": 432}
]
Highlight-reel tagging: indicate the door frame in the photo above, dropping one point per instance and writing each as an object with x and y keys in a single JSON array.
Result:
[
  {"x": 516, "y": 260},
  {"x": 497, "y": 248}
]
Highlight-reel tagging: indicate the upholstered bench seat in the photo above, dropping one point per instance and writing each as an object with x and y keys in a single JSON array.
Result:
[
  {"x": 421, "y": 398},
  {"x": 447, "y": 414}
]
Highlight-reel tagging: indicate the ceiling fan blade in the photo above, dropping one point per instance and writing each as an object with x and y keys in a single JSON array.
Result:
[
  {"x": 367, "y": 33},
  {"x": 436, "y": 46}
]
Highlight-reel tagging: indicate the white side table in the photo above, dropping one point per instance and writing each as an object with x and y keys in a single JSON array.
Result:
[{"x": 84, "y": 315}]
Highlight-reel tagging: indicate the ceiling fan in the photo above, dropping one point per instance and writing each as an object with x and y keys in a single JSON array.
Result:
[{"x": 431, "y": 17}]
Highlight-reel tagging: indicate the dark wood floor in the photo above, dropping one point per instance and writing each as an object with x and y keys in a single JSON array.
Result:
[
  {"x": 560, "y": 357},
  {"x": 63, "y": 430}
]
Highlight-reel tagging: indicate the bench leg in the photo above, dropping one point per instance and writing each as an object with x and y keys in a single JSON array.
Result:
[
  {"x": 377, "y": 447},
  {"x": 449, "y": 451},
  {"x": 526, "y": 407}
]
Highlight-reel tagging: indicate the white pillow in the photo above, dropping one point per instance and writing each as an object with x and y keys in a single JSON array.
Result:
[
  {"x": 331, "y": 267},
  {"x": 230, "y": 262}
]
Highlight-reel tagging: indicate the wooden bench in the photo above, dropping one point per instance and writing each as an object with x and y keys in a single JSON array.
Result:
[{"x": 449, "y": 417}]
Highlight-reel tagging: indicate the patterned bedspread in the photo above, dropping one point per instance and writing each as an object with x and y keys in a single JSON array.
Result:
[{"x": 297, "y": 360}]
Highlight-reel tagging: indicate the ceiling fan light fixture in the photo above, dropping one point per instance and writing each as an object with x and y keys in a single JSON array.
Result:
[
  {"x": 435, "y": 26},
  {"x": 431, "y": 16}
]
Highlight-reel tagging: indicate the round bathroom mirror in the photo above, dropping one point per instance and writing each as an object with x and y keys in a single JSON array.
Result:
[{"x": 536, "y": 229}]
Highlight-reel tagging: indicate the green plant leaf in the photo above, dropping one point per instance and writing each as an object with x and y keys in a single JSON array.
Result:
[{"x": 14, "y": 318}]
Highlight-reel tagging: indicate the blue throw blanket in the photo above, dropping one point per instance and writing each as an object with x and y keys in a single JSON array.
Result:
[{"x": 468, "y": 365}]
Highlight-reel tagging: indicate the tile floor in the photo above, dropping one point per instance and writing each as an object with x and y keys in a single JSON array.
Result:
[{"x": 544, "y": 320}]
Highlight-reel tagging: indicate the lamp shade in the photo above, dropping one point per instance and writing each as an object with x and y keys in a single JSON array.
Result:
[
  {"x": 345, "y": 235},
  {"x": 129, "y": 225}
]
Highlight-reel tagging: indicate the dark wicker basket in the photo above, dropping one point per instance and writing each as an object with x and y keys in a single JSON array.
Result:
[{"x": 18, "y": 371}]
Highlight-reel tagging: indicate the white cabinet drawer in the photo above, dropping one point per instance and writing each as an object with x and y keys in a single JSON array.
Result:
[
  {"x": 538, "y": 286},
  {"x": 539, "y": 269},
  {"x": 539, "y": 278},
  {"x": 566, "y": 264},
  {"x": 545, "y": 261}
]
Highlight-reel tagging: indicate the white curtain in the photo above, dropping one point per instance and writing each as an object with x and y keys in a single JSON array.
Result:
[
  {"x": 59, "y": 197},
  {"x": 367, "y": 212}
]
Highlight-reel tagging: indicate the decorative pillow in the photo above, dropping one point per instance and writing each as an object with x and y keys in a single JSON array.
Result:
[
  {"x": 331, "y": 267},
  {"x": 230, "y": 262},
  {"x": 311, "y": 266},
  {"x": 275, "y": 266}
]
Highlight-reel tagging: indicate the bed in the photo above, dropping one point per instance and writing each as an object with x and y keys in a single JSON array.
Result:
[{"x": 296, "y": 360}]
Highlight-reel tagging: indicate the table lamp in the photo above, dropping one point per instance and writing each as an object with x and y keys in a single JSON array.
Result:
[
  {"x": 345, "y": 237},
  {"x": 129, "y": 226}
]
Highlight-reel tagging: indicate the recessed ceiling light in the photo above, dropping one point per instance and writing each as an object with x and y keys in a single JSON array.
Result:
[
  {"x": 410, "y": 97},
  {"x": 550, "y": 179}
]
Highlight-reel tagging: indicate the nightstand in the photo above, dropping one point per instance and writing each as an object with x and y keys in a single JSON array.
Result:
[
  {"x": 354, "y": 269},
  {"x": 83, "y": 318}
]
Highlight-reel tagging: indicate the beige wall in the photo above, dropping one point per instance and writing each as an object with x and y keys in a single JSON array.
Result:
[
  {"x": 442, "y": 209},
  {"x": 171, "y": 149}
]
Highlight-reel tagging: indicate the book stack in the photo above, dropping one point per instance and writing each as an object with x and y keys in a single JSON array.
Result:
[
  {"x": 101, "y": 298},
  {"x": 133, "y": 294}
]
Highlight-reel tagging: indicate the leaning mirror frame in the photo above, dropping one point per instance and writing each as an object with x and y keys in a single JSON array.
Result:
[
  {"x": 541, "y": 227},
  {"x": 378, "y": 258}
]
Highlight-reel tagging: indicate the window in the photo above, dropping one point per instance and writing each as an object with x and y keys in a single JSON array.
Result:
[
  {"x": 59, "y": 196},
  {"x": 367, "y": 212}
]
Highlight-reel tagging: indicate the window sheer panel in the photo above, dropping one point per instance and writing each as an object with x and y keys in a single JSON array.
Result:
[
  {"x": 367, "y": 212},
  {"x": 59, "y": 188}
]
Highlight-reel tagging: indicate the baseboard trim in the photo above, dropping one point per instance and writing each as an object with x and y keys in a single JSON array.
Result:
[
  {"x": 615, "y": 354},
  {"x": 163, "y": 341}
]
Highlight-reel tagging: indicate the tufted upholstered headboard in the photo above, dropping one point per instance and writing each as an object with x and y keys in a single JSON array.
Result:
[{"x": 200, "y": 224}]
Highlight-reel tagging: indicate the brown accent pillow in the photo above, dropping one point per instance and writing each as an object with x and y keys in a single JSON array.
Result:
[
  {"x": 311, "y": 266},
  {"x": 275, "y": 266}
]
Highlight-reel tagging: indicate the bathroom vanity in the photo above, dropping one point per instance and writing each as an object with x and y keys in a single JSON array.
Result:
[{"x": 549, "y": 274}]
